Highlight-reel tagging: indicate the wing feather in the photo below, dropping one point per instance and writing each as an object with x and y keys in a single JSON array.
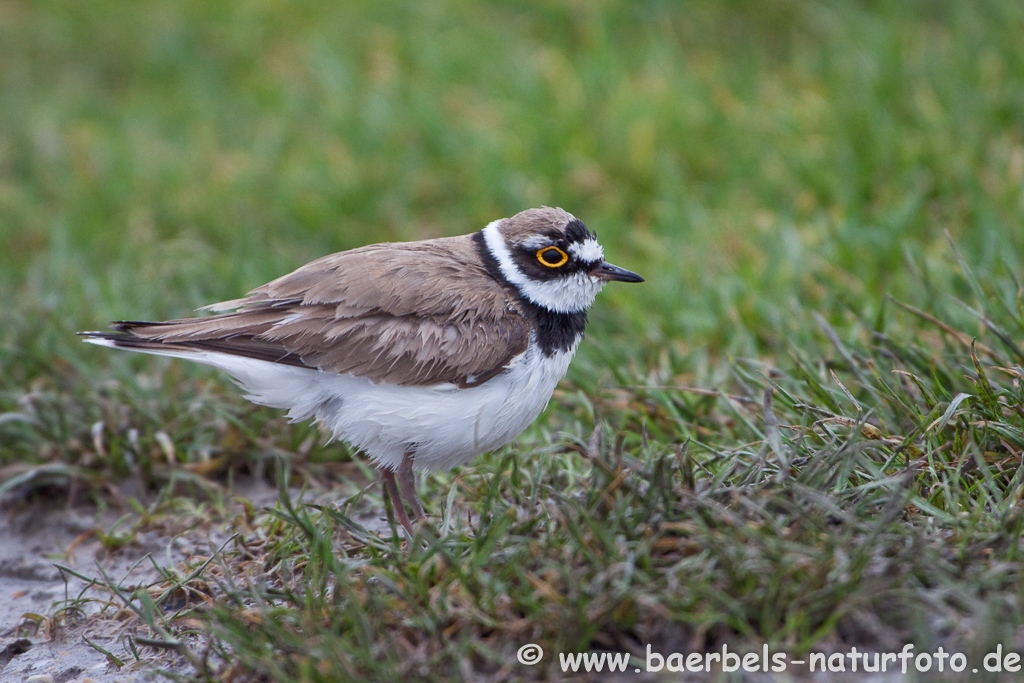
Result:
[{"x": 412, "y": 314}]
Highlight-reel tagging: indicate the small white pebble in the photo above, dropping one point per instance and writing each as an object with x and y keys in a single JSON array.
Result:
[{"x": 40, "y": 678}]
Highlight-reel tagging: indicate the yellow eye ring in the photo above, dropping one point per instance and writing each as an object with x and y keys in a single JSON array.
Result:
[{"x": 545, "y": 253}]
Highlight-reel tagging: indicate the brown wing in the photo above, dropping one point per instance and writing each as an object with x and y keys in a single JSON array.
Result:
[{"x": 416, "y": 313}]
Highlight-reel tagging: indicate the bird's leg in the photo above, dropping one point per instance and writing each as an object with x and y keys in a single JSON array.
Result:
[
  {"x": 391, "y": 492},
  {"x": 407, "y": 480}
]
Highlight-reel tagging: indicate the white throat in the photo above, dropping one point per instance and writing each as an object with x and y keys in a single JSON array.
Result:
[{"x": 570, "y": 294}]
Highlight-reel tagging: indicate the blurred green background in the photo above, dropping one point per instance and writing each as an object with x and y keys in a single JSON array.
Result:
[
  {"x": 756, "y": 161},
  {"x": 780, "y": 171}
]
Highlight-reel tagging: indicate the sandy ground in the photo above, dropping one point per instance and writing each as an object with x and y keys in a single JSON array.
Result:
[
  {"x": 36, "y": 537},
  {"x": 32, "y": 542}
]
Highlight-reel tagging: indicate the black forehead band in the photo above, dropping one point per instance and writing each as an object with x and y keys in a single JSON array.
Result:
[{"x": 576, "y": 231}]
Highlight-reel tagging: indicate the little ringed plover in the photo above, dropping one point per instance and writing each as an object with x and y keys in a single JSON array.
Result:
[{"x": 420, "y": 354}]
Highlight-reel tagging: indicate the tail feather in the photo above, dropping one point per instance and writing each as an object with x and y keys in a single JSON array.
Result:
[{"x": 126, "y": 337}]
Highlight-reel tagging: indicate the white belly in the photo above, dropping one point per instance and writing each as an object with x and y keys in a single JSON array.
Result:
[{"x": 443, "y": 425}]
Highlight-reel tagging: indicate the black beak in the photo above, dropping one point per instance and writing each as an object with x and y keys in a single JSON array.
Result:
[{"x": 608, "y": 272}]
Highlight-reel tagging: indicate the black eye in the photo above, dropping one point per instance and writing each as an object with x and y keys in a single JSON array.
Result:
[{"x": 552, "y": 257}]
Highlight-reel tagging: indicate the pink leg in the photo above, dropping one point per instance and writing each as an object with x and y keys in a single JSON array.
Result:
[
  {"x": 391, "y": 491},
  {"x": 407, "y": 480}
]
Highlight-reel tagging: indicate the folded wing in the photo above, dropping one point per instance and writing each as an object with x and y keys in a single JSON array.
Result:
[{"x": 413, "y": 314}]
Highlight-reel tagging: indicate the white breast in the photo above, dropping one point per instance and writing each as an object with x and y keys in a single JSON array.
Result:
[{"x": 444, "y": 425}]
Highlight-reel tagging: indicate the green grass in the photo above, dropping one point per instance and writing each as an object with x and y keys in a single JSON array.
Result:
[{"x": 826, "y": 199}]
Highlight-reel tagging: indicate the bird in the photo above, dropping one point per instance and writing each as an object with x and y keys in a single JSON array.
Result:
[{"x": 422, "y": 354}]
